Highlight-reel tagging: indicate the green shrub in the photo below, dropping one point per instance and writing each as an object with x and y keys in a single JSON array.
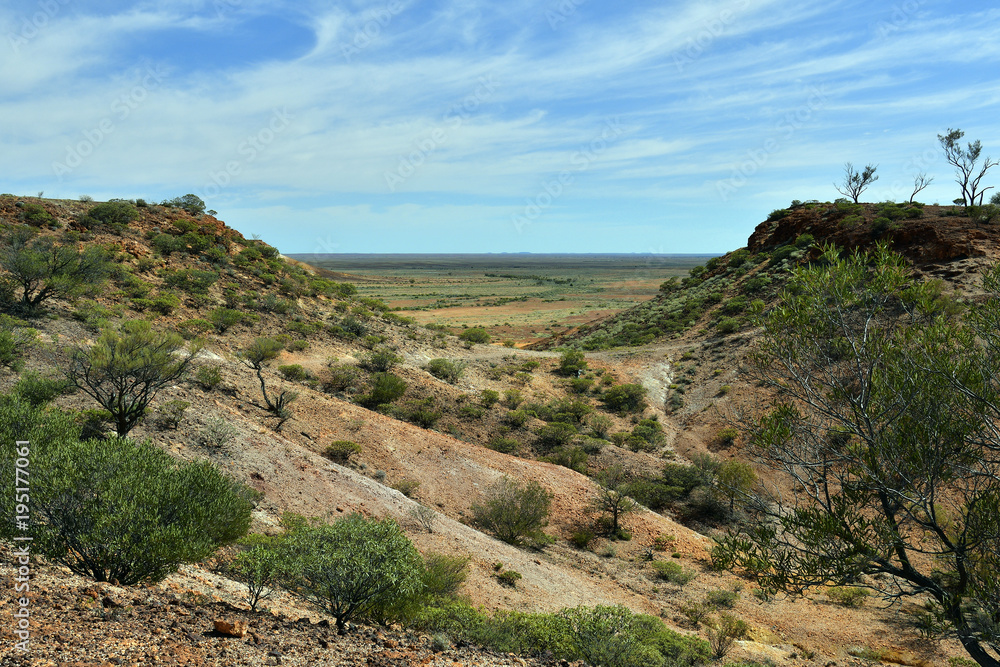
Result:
[
  {"x": 114, "y": 214},
  {"x": 193, "y": 204},
  {"x": 351, "y": 567},
  {"x": 488, "y": 398},
  {"x": 847, "y": 596},
  {"x": 722, "y": 598},
  {"x": 512, "y": 398},
  {"x": 446, "y": 369},
  {"x": 407, "y": 486},
  {"x": 258, "y": 568},
  {"x": 36, "y": 216},
  {"x": 504, "y": 445},
  {"x": 571, "y": 362},
  {"x": 167, "y": 244},
  {"x": 223, "y": 319},
  {"x": 513, "y": 512},
  {"x": 170, "y": 413},
  {"x": 117, "y": 510},
  {"x": 385, "y": 388},
  {"x": 573, "y": 458},
  {"x": 880, "y": 226},
  {"x": 15, "y": 340},
  {"x": 341, "y": 451},
  {"x": 556, "y": 434},
  {"x": 516, "y": 418},
  {"x": 208, "y": 377},
  {"x": 475, "y": 335},
  {"x": 339, "y": 377},
  {"x": 582, "y": 537},
  {"x": 444, "y": 575},
  {"x": 380, "y": 361},
  {"x": 423, "y": 413},
  {"x": 625, "y": 398},
  {"x": 194, "y": 328},
  {"x": 673, "y": 572},
  {"x": 723, "y": 633},
  {"x": 293, "y": 372},
  {"x": 39, "y": 390},
  {"x": 508, "y": 577},
  {"x": 650, "y": 435},
  {"x": 191, "y": 281},
  {"x": 727, "y": 325}
]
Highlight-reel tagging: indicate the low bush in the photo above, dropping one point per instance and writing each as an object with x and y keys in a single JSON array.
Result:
[
  {"x": 223, "y": 319},
  {"x": 385, "y": 388},
  {"x": 118, "y": 510},
  {"x": 293, "y": 372},
  {"x": 504, "y": 445},
  {"x": 625, "y": 398},
  {"x": 513, "y": 512},
  {"x": 847, "y": 596},
  {"x": 170, "y": 413},
  {"x": 475, "y": 335},
  {"x": 380, "y": 361},
  {"x": 672, "y": 572},
  {"x": 208, "y": 377},
  {"x": 39, "y": 390},
  {"x": 339, "y": 377},
  {"x": 341, "y": 451}
]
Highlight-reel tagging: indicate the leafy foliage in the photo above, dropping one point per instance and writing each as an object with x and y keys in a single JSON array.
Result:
[
  {"x": 118, "y": 510},
  {"x": 126, "y": 367},
  {"x": 885, "y": 419},
  {"x": 514, "y": 513},
  {"x": 349, "y": 567},
  {"x": 40, "y": 268}
]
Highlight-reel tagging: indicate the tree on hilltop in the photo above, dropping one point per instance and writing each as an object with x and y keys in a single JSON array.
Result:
[
  {"x": 967, "y": 174},
  {"x": 856, "y": 182}
]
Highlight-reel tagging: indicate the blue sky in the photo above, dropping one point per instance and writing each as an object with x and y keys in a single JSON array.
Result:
[{"x": 474, "y": 126}]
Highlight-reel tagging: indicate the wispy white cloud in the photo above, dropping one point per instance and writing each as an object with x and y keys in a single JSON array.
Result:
[{"x": 451, "y": 116}]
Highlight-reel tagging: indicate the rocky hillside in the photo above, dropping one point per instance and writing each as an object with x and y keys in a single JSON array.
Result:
[{"x": 444, "y": 440}]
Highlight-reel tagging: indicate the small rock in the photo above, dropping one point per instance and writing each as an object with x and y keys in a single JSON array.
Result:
[{"x": 235, "y": 629}]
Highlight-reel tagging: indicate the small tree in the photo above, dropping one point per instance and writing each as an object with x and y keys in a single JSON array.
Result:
[
  {"x": 920, "y": 182},
  {"x": 735, "y": 479},
  {"x": 855, "y": 182},
  {"x": 611, "y": 498},
  {"x": 39, "y": 269},
  {"x": 126, "y": 367},
  {"x": 256, "y": 356},
  {"x": 258, "y": 568},
  {"x": 968, "y": 175},
  {"x": 512, "y": 512},
  {"x": 351, "y": 566}
]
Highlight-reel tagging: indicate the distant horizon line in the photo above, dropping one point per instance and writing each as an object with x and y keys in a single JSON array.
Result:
[{"x": 563, "y": 254}]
